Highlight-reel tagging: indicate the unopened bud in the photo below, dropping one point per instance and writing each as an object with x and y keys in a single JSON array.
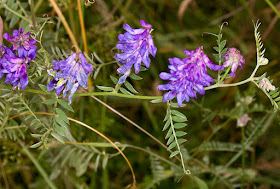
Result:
[
  {"x": 263, "y": 61},
  {"x": 242, "y": 121}
]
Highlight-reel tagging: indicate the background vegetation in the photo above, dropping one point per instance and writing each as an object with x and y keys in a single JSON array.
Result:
[{"x": 213, "y": 140}]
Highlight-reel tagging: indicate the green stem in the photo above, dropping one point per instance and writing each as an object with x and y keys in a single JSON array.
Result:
[
  {"x": 119, "y": 95},
  {"x": 273, "y": 7},
  {"x": 225, "y": 75},
  {"x": 228, "y": 85},
  {"x": 14, "y": 12},
  {"x": 37, "y": 165},
  {"x": 117, "y": 87},
  {"x": 38, "y": 4}
]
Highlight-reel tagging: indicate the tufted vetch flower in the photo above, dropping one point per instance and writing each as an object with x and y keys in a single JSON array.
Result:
[
  {"x": 187, "y": 76},
  {"x": 15, "y": 66},
  {"x": 266, "y": 85},
  {"x": 20, "y": 40},
  {"x": 233, "y": 59},
  {"x": 69, "y": 74},
  {"x": 135, "y": 44}
]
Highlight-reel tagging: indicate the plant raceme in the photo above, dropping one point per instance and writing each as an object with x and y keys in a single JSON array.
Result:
[{"x": 187, "y": 76}]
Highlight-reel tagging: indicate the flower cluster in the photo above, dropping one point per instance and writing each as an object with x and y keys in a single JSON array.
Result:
[
  {"x": 69, "y": 74},
  {"x": 233, "y": 59},
  {"x": 187, "y": 76},
  {"x": 135, "y": 44},
  {"x": 266, "y": 85},
  {"x": 15, "y": 60}
]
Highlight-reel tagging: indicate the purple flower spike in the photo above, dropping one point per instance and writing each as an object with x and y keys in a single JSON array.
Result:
[
  {"x": 69, "y": 74},
  {"x": 233, "y": 59},
  {"x": 15, "y": 66},
  {"x": 20, "y": 40},
  {"x": 135, "y": 44},
  {"x": 187, "y": 76}
]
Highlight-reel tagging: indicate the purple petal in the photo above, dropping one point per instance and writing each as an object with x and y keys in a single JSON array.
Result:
[
  {"x": 165, "y": 76},
  {"x": 144, "y": 24}
]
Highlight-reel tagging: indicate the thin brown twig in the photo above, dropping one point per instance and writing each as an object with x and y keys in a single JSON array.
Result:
[
  {"x": 84, "y": 38},
  {"x": 65, "y": 24},
  {"x": 134, "y": 124},
  {"x": 1, "y": 31}
]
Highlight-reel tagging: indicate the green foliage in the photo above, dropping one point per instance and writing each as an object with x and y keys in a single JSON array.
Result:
[{"x": 174, "y": 120}]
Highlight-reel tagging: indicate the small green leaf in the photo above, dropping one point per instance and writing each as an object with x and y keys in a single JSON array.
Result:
[
  {"x": 180, "y": 133},
  {"x": 36, "y": 135},
  {"x": 181, "y": 141},
  {"x": 277, "y": 99},
  {"x": 200, "y": 183},
  {"x": 59, "y": 130},
  {"x": 178, "y": 119},
  {"x": 220, "y": 37},
  {"x": 115, "y": 80},
  {"x": 142, "y": 69},
  {"x": 174, "y": 154},
  {"x": 156, "y": 101},
  {"x": 222, "y": 44},
  {"x": 15, "y": 19},
  {"x": 275, "y": 95},
  {"x": 172, "y": 145},
  {"x": 130, "y": 87},
  {"x": 62, "y": 115},
  {"x": 179, "y": 114},
  {"x": 60, "y": 121},
  {"x": 36, "y": 145},
  {"x": 49, "y": 101},
  {"x": 168, "y": 133},
  {"x": 124, "y": 91},
  {"x": 166, "y": 125},
  {"x": 216, "y": 49},
  {"x": 167, "y": 116},
  {"x": 57, "y": 137},
  {"x": 175, "y": 105},
  {"x": 44, "y": 88},
  {"x": 223, "y": 51},
  {"x": 103, "y": 88},
  {"x": 135, "y": 77},
  {"x": 179, "y": 125},
  {"x": 272, "y": 92},
  {"x": 65, "y": 105},
  {"x": 170, "y": 140},
  {"x": 105, "y": 161}
]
